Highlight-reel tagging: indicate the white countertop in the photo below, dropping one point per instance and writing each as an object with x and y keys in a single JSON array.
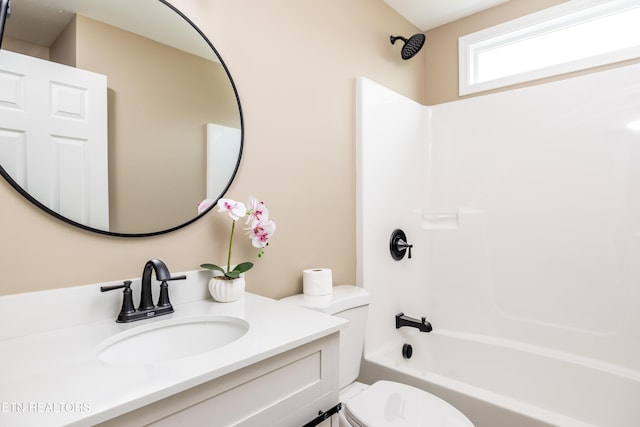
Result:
[{"x": 50, "y": 375}]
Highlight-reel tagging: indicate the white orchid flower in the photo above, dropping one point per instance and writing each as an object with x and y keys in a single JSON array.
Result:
[
  {"x": 236, "y": 210},
  {"x": 260, "y": 233}
]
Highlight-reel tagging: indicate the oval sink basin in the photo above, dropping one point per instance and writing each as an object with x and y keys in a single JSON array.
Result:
[{"x": 172, "y": 339}]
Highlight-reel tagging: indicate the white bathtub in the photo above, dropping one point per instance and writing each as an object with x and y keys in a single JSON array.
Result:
[{"x": 499, "y": 383}]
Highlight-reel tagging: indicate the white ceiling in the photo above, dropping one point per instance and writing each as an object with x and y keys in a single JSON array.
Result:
[{"x": 428, "y": 14}]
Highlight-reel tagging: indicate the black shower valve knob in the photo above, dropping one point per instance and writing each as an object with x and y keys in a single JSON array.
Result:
[{"x": 398, "y": 245}]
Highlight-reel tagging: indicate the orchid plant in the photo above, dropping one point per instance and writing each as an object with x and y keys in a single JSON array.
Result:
[{"x": 260, "y": 229}]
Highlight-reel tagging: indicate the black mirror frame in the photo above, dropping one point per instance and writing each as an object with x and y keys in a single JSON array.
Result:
[
  {"x": 25, "y": 194},
  {"x": 5, "y": 11}
]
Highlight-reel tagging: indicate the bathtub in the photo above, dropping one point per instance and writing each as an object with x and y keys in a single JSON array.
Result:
[{"x": 499, "y": 383}]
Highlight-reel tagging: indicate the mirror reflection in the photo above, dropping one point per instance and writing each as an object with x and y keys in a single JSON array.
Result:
[{"x": 118, "y": 116}]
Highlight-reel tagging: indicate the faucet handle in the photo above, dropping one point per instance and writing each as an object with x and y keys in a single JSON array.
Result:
[
  {"x": 126, "y": 284},
  {"x": 398, "y": 245},
  {"x": 127, "y": 300},
  {"x": 163, "y": 300},
  {"x": 402, "y": 245}
]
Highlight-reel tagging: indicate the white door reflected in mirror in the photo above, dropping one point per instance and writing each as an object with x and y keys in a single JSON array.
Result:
[{"x": 53, "y": 140}]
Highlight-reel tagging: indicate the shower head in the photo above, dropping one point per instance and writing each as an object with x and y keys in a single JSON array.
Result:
[{"x": 411, "y": 46}]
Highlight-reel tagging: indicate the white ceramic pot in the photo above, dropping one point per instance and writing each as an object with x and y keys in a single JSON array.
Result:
[{"x": 226, "y": 290}]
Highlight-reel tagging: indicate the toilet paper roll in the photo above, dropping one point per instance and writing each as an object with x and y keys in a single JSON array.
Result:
[{"x": 317, "y": 281}]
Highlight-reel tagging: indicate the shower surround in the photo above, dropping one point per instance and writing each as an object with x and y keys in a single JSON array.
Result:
[{"x": 524, "y": 211}]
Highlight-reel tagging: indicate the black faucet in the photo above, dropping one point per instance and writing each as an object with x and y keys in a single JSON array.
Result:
[
  {"x": 422, "y": 324},
  {"x": 146, "y": 309},
  {"x": 162, "y": 274}
]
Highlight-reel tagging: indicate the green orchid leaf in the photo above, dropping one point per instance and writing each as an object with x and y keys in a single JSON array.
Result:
[
  {"x": 233, "y": 274},
  {"x": 242, "y": 267},
  {"x": 212, "y": 267}
]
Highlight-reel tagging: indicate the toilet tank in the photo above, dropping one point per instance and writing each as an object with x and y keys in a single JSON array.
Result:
[{"x": 350, "y": 303}]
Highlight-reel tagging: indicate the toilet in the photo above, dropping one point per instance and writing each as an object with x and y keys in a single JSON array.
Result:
[{"x": 384, "y": 403}]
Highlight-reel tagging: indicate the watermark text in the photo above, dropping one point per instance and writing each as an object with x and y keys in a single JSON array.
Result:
[{"x": 43, "y": 407}]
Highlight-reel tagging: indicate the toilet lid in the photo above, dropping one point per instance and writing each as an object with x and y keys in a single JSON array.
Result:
[{"x": 391, "y": 404}]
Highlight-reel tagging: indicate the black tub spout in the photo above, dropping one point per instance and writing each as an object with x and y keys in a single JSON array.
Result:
[{"x": 421, "y": 324}]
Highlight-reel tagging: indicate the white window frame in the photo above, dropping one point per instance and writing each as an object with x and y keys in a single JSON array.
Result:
[{"x": 564, "y": 15}]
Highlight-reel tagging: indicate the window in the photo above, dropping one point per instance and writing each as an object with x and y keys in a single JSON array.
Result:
[{"x": 573, "y": 36}]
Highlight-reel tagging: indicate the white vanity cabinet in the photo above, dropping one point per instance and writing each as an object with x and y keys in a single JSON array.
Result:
[
  {"x": 285, "y": 390},
  {"x": 281, "y": 372}
]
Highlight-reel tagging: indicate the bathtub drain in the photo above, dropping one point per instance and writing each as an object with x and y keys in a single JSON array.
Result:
[{"x": 407, "y": 351}]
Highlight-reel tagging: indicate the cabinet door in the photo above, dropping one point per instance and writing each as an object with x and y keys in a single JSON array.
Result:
[{"x": 287, "y": 390}]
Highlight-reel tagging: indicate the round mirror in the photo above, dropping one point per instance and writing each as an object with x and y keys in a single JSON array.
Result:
[{"x": 117, "y": 116}]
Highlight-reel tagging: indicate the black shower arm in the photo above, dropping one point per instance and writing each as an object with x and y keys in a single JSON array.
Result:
[{"x": 394, "y": 38}]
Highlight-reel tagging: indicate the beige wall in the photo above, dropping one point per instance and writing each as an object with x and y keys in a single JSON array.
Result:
[
  {"x": 295, "y": 65},
  {"x": 25, "y": 48},
  {"x": 64, "y": 50}
]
